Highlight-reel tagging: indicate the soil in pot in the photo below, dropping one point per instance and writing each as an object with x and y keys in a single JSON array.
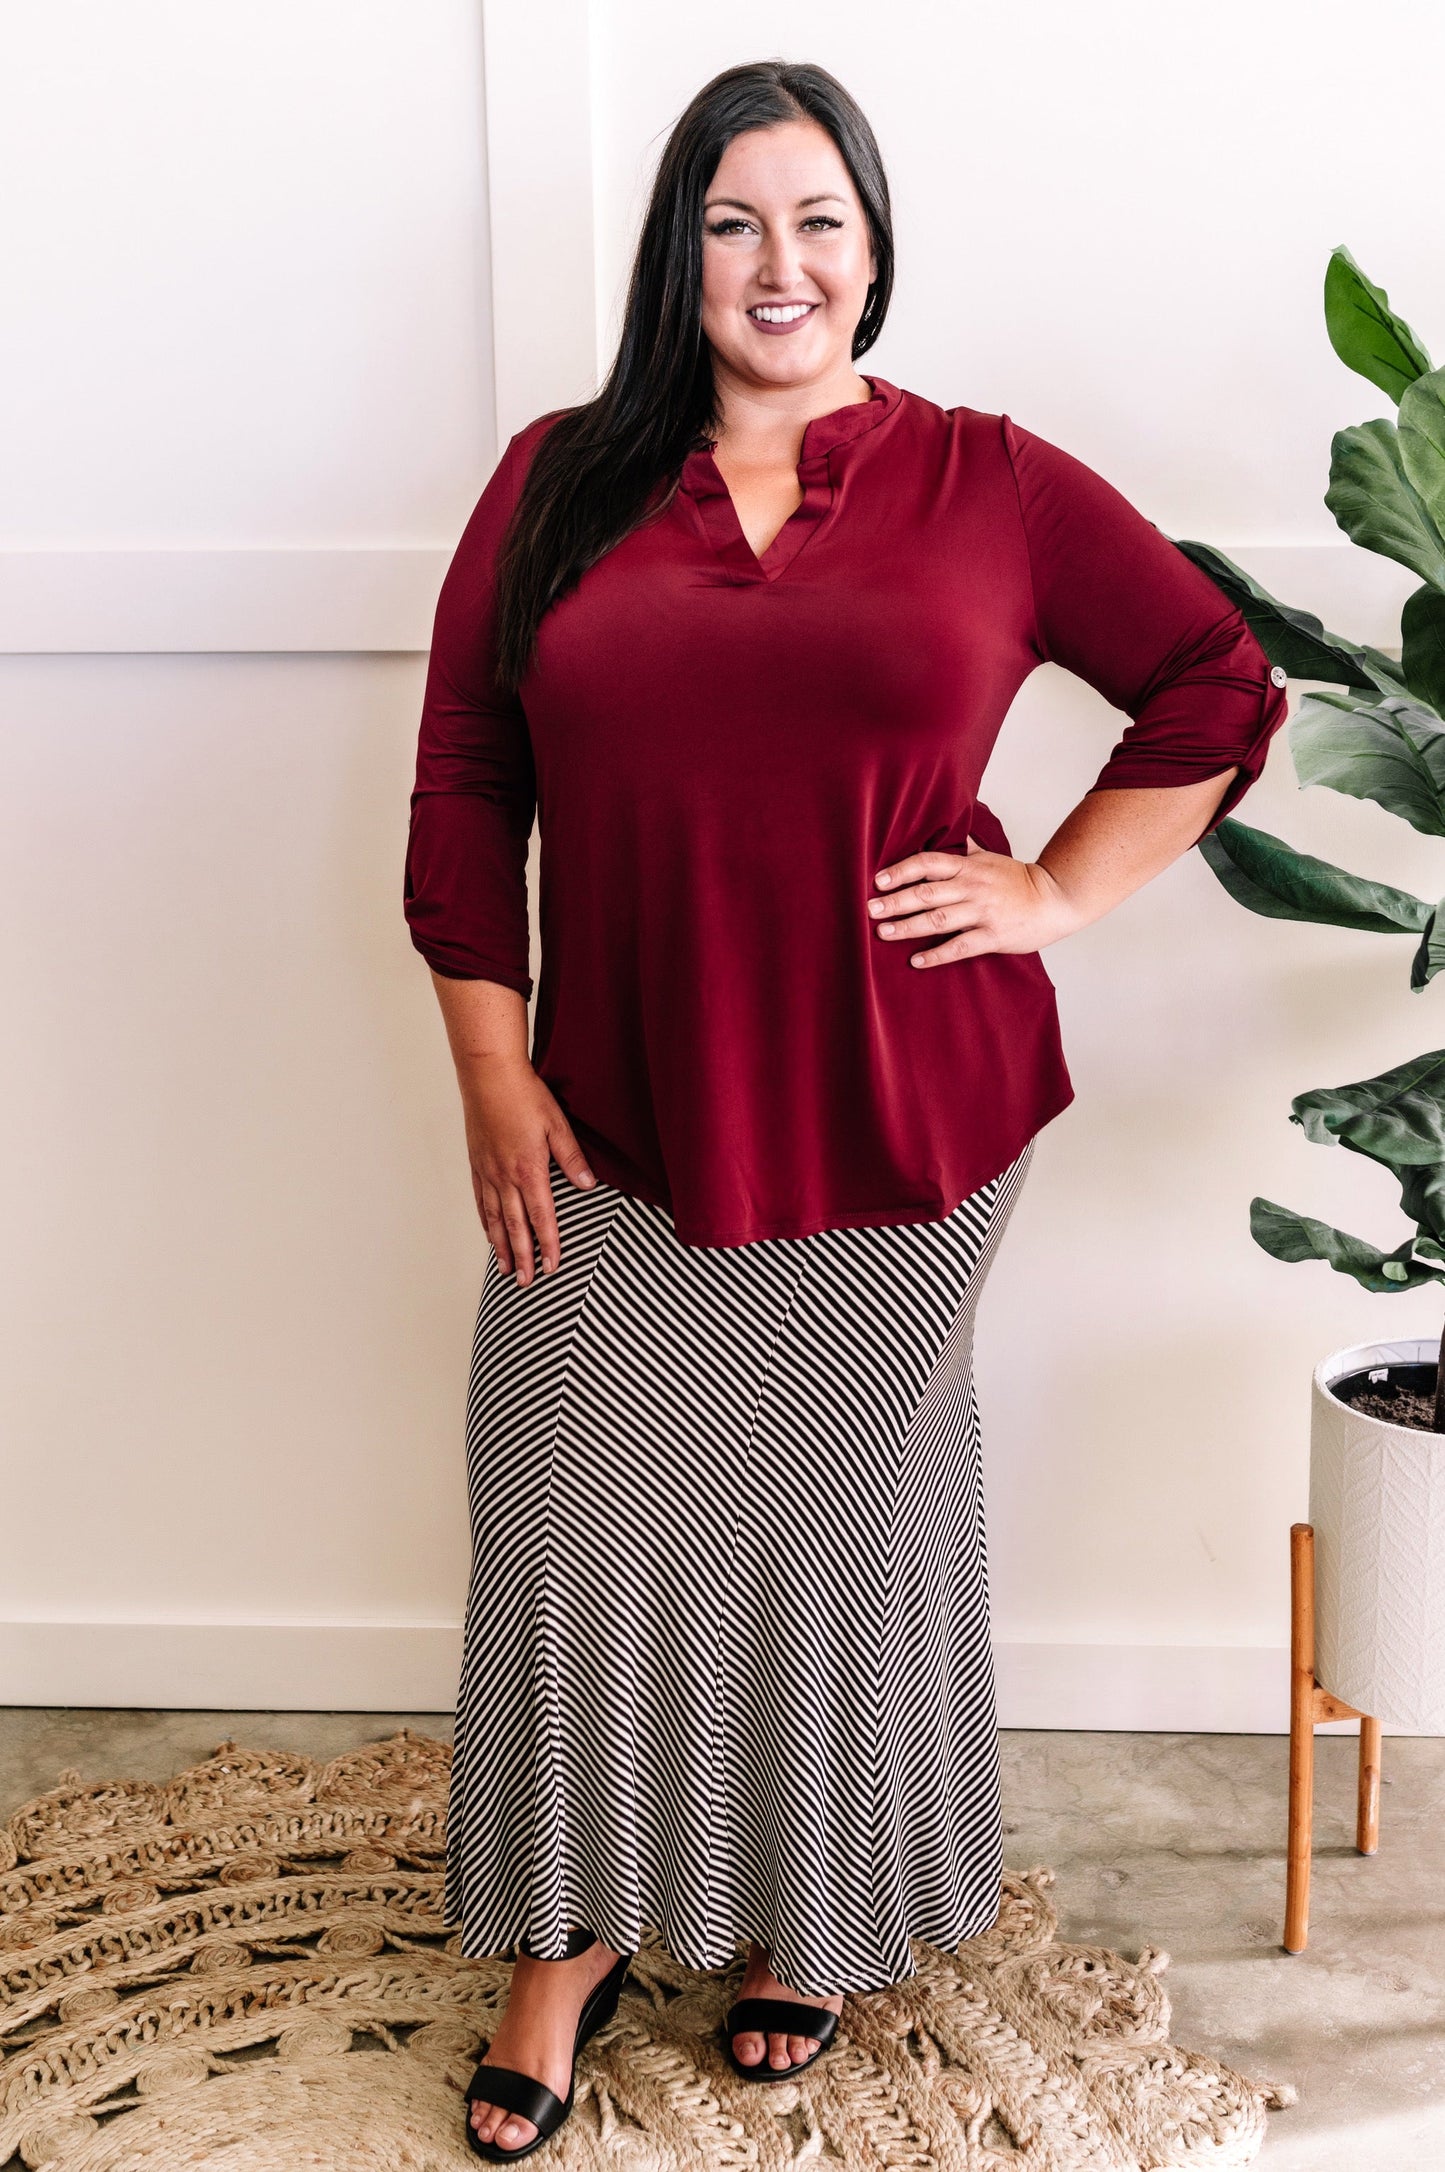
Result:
[{"x": 1399, "y": 1394}]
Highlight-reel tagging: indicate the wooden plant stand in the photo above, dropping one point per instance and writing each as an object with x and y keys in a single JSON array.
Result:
[{"x": 1307, "y": 1704}]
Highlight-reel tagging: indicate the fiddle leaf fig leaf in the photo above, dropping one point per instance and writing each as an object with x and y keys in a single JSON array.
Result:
[
  {"x": 1295, "y": 640},
  {"x": 1422, "y": 630},
  {"x": 1422, "y": 1195},
  {"x": 1391, "y": 751},
  {"x": 1422, "y": 444},
  {"x": 1376, "y": 732},
  {"x": 1430, "y": 956},
  {"x": 1270, "y": 877},
  {"x": 1378, "y": 506},
  {"x": 1365, "y": 332},
  {"x": 1289, "y": 1236},
  {"x": 1397, "y": 1118}
]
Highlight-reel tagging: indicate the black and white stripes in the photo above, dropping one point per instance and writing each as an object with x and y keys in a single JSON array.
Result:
[{"x": 726, "y": 1668}]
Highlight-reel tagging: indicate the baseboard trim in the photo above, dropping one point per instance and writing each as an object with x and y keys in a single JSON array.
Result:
[
  {"x": 412, "y": 1667},
  {"x": 1223, "y": 1689},
  {"x": 232, "y": 1666}
]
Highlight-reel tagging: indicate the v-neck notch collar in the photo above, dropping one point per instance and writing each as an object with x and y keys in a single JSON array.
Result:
[{"x": 823, "y": 437}]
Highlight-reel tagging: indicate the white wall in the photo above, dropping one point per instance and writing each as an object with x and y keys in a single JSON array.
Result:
[
  {"x": 240, "y": 1249},
  {"x": 249, "y": 403},
  {"x": 254, "y": 294},
  {"x": 245, "y": 253}
]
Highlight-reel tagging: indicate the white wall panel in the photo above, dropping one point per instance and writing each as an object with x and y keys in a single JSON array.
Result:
[{"x": 245, "y": 254}]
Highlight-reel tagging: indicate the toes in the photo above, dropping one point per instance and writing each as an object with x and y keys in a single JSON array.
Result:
[
  {"x": 493, "y": 2123},
  {"x": 800, "y": 2048},
  {"x": 778, "y": 2054},
  {"x": 749, "y": 2047}
]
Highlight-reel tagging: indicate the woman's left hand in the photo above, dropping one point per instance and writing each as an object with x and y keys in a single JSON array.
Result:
[{"x": 980, "y": 900}]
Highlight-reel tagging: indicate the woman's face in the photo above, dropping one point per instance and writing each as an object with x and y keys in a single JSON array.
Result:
[{"x": 786, "y": 258}]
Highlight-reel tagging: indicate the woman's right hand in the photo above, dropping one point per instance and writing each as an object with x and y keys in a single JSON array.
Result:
[{"x": 515, "y": 1126}]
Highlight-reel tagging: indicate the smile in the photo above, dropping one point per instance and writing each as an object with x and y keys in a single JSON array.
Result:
[{"x": 780, "y": 316}]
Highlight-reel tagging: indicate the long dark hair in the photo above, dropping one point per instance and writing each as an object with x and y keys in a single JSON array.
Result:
[{"x": 597, "y": 469}]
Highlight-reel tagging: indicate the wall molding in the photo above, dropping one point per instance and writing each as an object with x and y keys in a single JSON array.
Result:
[
  {"x": 377, "y": 601},
  {"x": 235, "y": 1666},
  {"x": 413, "y": 1667},
  {"x": 188, "y": 602},
  {"x": 1148, "y": 1688}
]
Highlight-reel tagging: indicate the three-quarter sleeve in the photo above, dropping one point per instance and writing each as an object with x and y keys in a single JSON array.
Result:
[
  {"x": 1122, "y": 607},
  {"x": 465, "y": 880}
]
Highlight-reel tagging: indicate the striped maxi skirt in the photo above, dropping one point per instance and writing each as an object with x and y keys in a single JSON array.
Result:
[{"x": 726, "y": 1667}]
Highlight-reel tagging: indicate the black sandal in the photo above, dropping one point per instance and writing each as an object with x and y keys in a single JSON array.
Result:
[
  {"x": 777, "y": 2017},
  {"x": 522, "y": 2093}
]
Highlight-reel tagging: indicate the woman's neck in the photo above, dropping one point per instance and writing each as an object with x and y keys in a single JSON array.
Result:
[{"x": 759, "y": 424}]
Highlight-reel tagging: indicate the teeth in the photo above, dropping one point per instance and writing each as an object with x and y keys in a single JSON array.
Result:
[{"x": 786, "y": 315}]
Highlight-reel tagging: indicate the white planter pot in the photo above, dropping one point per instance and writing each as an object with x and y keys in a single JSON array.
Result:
[{"x": 1377, "y": 1502}]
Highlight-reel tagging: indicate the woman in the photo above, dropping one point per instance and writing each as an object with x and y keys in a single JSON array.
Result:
[{"x": 742, "y": 631}]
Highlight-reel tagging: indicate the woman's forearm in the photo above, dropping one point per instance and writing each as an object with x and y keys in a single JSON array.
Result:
[
  {"x": 1111, "y": 844},
  {"x": 1115, "y": 841},
  {"x": 485, "y": 1021}
]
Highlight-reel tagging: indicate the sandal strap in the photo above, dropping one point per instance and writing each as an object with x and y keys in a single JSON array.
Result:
[
  {"x": 781, "y": 2017},
  {"x": 518, "y": 2093},
  {"x": 578, "y": 1941}
]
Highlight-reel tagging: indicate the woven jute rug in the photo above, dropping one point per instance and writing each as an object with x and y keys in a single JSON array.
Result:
[{"x": 245, "y": 1968}]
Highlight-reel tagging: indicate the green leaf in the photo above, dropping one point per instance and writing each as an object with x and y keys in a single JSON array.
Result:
[
  {"x": 1390, "y": 751},
  {"x": 1430, "y": 956},
  {"x": 1270, "y": 877},
  {"x": 1295, "y": 640},
  {"x": 1290, "y": 1236},
  {"x": 1397, "y": 1118},
  {"x": 1422, "y": 443},
  {"x": 1365, "y": 332},
  {"x": 1422, "y": 632},
  {"x": 1377, "y": 505},
  {"x": 1422, "y": 1195}
]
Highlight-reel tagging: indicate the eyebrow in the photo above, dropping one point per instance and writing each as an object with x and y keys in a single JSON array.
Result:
[{"x": 735, "y": 204}]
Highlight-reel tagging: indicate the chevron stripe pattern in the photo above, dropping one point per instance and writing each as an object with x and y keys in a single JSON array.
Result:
[{"x": 726, "y": 1668}]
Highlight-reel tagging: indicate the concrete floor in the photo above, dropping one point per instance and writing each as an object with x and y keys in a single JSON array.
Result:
[{"x": 1161, "y": 1840}]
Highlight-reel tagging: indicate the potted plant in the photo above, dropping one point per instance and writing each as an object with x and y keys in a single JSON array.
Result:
[
  {"x": 1377, "y": 1437},
  {"x": 1368, "y": 1570}
]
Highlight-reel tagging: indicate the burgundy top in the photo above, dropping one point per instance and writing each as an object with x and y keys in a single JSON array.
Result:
[{"x": 722, "y": 749}]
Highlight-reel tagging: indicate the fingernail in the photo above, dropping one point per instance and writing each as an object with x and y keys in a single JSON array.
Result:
[
  {"x": 883, "y": 878},
  {"x": 875, "y": 904},
  {"x": 588, "y": 1177}
]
